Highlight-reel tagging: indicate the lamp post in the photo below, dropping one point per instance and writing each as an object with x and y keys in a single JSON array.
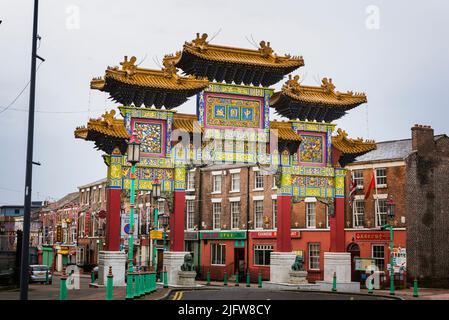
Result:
[
  {"x": 165, "y": 220},
  {"x": 156, "y": 194},
  {"x": 391, "y": 214},
  {"x": 133, "y": 157}
]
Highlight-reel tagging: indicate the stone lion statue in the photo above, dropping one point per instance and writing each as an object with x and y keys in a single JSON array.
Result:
[
  {"x": 299, "y": 264},
  {"x": 188, "y": 263}
]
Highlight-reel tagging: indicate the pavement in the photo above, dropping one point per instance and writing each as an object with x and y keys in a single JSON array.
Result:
[
  {"x": 38, "y": 291},
  {"x": 215, "y": 291}
]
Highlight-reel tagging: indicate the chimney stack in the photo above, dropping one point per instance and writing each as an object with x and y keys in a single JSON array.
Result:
[{"x": 422, "y": 139}]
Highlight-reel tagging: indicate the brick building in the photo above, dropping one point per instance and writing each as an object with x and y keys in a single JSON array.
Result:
[
  {"x": 427, "y": 204},
  {"x": 91, "y": 223}
]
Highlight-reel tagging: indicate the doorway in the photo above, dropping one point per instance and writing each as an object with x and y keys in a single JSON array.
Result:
[
  {"x": 239, "y": 262},
  {"x": 354, "y": 250}
]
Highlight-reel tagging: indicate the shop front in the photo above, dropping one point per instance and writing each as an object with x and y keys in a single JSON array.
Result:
[
  {"x": 222, "y": 251},
  {"x": 192, "y": 245},
  {"x": 370, "y": 251},
  {"x": 262, "y": 243}
]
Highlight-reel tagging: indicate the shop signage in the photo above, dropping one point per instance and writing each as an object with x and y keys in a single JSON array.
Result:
[
  {"x": 372, "y": 236},
  {"x": 239, "y": 244},
  {"x": 156, "y": 234},
  {"x": 363, "y": 264},
  {"x": 190, "y": 236},
  {"x": 223, "y": 235},
  {"x": 273, "y": 234}
]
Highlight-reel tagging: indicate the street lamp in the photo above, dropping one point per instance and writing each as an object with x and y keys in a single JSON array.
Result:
[
  {"x": 165, "y": 220},
  {"x": 133, "y": 157},
  {"x": 156, "y": 194},
  {"x": 391, "y": 205}
]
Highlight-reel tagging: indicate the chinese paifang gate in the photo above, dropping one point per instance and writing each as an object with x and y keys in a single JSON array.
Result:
[{"x": 233, "y": 94}]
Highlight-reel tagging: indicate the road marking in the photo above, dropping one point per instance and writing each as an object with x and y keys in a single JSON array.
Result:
[{"x": 178, "y": 295}]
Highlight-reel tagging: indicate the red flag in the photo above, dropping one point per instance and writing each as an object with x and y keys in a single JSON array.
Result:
[{"x": 370, "y": 186}]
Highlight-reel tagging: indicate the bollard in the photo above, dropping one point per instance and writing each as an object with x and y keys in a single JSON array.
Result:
[
  {"x": 208, "y": 277},
  {"x": 165, "y": 278},
  {"x": 46, "y": 276},
  {"x": 63, "y": 286},
  {"x": 259, "y": 280},
  {"x": 237, "y": 279},
  {"x": 135, "y": 285},
  {"x": 248, "y": 280},
  {"x": 415, "y": 289},
  {"x": 141, "y": 291},
  {"x": 147, "y": 282},
  {"x": 153, "y": 281},
  {"x": 225, "y": 278},
  {"x": 129, "y": 286},
  {"x": 110, "y": 285},
  {"x": 92, "y": 277},
  {"x": 370, "y": 286},
  {"x": 334, "y": 282}
]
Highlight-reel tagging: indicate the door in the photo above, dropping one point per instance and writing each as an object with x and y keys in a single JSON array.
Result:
[
  {"x": 354, "y": 249},
  {"x": 239, "y": 262},
  {"x": 160, "y": 261}
]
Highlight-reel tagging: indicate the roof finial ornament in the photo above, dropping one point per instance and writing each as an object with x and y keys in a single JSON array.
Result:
[
  {"x": 129, "y": 66},
  {"x": 327, "y": 85},
  {"x": 109, "y": 117},
  {"x": 200, "y": 42},
  {"x": 169, "y": 68},
  {"x": 293, "y": 83},
  {"x": 265, "y": 49}
]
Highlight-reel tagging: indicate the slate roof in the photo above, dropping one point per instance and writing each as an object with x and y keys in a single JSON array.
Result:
[{"x": 390, "y": 150}]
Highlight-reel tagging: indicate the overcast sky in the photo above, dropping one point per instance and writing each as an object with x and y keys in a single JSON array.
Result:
[{"x": 394, "y": 51}]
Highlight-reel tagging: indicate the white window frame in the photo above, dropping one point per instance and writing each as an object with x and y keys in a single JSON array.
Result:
[
  {"x": 382, "y": 178},
  {"x": 190, "y": 180},
  {"x": 235, "y": 214},
  {"x": 235, "y": 183},
  {"x": 218, "y": 256},
  {"x": 190, "y": 214},
  {"x": 358, "y": 213},
  {"x": 358, "y": 179},
  {"x": 160, "y": 211},
  {"x": 217, "y": 181},
  {"x": 264, "y": 248},
  {"x": 258, "y": 213},
  {"x": 258, "y": 180},
  {"x": 375, "y": 257},
  {"x": 328, "y": 218},
  {"x": 381, "y": 216},
  {"x": 216, "y": 215},
  {"x": 314, "y": 258},
  {"x": 274, "y": 186},
  {"x": 311, "y": 215}
]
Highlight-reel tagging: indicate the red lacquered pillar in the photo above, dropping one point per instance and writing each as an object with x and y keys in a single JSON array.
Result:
[
  {"x": 337, "y": 220},
  {"x": 284, "y": 203},
  {"x": 113, "y": 200},
  {"x": 179, "y": 204}
]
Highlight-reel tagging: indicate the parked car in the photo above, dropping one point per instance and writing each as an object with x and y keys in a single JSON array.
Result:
[{"x": 38, "y": 273}]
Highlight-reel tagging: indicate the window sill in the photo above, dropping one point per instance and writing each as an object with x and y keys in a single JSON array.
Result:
[
  {"x": 216, "y": 192},
  {"x": 381, "y": 186},
  {"x": 310, "y": 227},
  {"x": 190, "y": 190},
  {"x": 218, "y": 265},
  {"x": 234, "y": 191},
  {"x": 258, "y": 189}
]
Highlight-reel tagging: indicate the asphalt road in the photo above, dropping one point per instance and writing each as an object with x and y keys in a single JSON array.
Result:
[{"x": 263, "y": 294}]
